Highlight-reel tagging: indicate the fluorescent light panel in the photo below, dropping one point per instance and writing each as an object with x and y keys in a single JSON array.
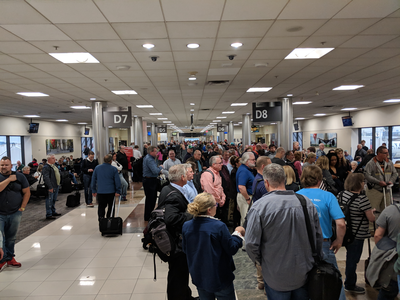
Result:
[
  {"x": 258, "y": 89},
  {"x": 167, "y": 122},
  {"x": 31, "y": 116},
  {"x": 347, "y": 87},
  {"x": 221, "y": 117},
  {"x": 299, "y": 118},
  {"x": 239, "y": 104},
  {"x": 155, "y": 114},
  {"x": 82, "y": 123},
  {"x": 162, "y": 118},
  {"x": 319, "y": 115},
  {"x": 148, "y": 46},
  {"x": 80, "y": 107},
  {"x": 308, "y": 53},
  {"x": 301, "y": 102},
  {"x": 126, "y": 92},
  {"x": 33, "y": 94},
  {"x": 216, "y": 120},
  {"x": 62, "y": 120},
  {"x": 349, "y": 108},
  {"x": 75, "y": 58},
  {"x": 392, "y": 101},
  {"x": 228, "y": 112},
  {"x": 144, "y": 106}
]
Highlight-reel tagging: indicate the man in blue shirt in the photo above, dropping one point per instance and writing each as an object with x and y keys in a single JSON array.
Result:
[
  {"x": 150, "y": 181},
  {"x": 244, "y": 183},
  {"x": 348, "y": 156},
  {"x": 258, "y": 187},
  {"x": 105, "y": 185},
  {"x": 328, "y": 209}
]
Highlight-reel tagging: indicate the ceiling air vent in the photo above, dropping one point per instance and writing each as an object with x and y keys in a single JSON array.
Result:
[
  {"x": 65, "y": 112},
  {"x": 218, "y": 82},
  {"x": 205, "y": 109}
]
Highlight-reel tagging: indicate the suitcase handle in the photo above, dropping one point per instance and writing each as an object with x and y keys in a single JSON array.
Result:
[{"x": 119, "y": 203}]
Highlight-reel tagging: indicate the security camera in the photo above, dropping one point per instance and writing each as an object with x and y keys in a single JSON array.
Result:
[
  {"x": 191, "y": 127},
  {"x": 154, "y": 58},
  {"x": 232, "y": 56}
]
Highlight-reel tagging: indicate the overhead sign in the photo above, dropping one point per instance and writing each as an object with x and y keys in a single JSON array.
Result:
[
  {"x": 162, "y": 129},
  {"x": 221, "y": 128},
  {"x": 118, "y": 119},
  {"x": 267, "y": 112}
]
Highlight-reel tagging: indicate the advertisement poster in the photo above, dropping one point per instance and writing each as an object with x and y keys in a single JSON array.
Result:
[
  {"x": 328, "y": 139},
  {"x": 129, "y": 154},
  {"x": 57, "y": 146}
]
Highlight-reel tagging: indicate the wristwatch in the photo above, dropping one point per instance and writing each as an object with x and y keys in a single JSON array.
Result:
[{"x": 22, "y": 208}]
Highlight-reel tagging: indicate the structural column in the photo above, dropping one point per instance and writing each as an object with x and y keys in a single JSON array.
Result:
[
  {"x": 100, "y": 133},
  {"x": 231, "y": 133},
  {"x": 132, "y": 131},
  {"x": 153, "y": 134},
  {"x": 144, "y": 129},
  {"x": 286, "y": 132},
  {"x": 221, "y": 135},
  {"x": 138, "y": 123},
  {"x": 246, "y": 130}
]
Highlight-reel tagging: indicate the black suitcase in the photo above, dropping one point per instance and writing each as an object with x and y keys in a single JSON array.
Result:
[
  {"x": 112, "y": 225},
  {"x": 74, "y": 200}
]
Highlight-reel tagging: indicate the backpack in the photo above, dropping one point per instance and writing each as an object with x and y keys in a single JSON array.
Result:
[
  {"x": 349, "y": 237},
  {"x": 156, "y": 237}
]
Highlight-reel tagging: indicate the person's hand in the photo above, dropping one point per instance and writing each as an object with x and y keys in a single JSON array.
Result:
[
  {"x": 117, "y": 195},
  {"x": 335, "y": 246},
  {"x": 94, "y": 194},
  {"x": 12, "y": 177},
  {"x": 1, "y": 253},
  {"x": 221, "y": 203},
  {"x": 50, "y": 191},
  {"x": 382, "y": 183},
  {"x": 334, "y": 177},
  {"x": 90, "y": 170},
  {"x": 241, "y": 230}
]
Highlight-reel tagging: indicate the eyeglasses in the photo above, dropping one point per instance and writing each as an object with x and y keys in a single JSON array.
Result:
[
  {"x": 216, "y": 204},
  {"x": 385, "y": 152}
]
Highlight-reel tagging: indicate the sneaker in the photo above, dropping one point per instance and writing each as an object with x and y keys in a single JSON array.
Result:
[
  {"x": 356, "y": 290},
  {"x": 90, "y": 205},
  {"x": 3, "y": 265},
  {"x": 13, "y": 263},
  {"x": 51, "y": 218},
  {"x": 56, "y": 215},
  {"x": 260, "y": 286}
]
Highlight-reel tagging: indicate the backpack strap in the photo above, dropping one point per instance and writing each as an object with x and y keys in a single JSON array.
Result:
[{"x": 209, "y": 171}]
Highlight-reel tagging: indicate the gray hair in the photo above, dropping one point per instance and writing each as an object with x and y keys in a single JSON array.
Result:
[
  {"x": 176, "y": 172},
  {"x": 26, "y": 168},
  {"x": 108, "y": 158},
  {"x": 246, "y": 157},
  {"x": 213, "y": 159},
  {"x": 354, "y": 163},
  {"x": 50, "y": 156},
  {"x": 275, "y": 175}
]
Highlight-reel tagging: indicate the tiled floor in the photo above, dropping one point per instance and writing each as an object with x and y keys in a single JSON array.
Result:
[{"x": 80, "y": 264}]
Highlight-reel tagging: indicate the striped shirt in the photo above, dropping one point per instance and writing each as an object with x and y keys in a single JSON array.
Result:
[{"x": 357, "y": 210}]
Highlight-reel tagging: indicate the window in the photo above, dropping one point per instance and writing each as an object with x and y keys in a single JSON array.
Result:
[
  {"x": 395, "y": 153},
  {"x": 298, "y": 137},
  {"x": 366, "y": 135},
  {"x": 3, "y": 146},
  {"x": 381, "y": 136},
  {"x": 13, "y": 147}
]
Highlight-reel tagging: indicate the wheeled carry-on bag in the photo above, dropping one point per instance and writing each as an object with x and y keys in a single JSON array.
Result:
[
  {"x": 112, "y": 225},
  {"x": 74, "y": 200}
]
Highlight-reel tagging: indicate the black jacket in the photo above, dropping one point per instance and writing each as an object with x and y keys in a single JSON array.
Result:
[
  {"x": 49, "y": 177},
  {"x": 86, "y": 165},
  {"x": 123, "y": 160}
]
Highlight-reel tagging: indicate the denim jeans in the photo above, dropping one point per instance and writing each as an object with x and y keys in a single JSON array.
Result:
[
  {"x": 9, "y": 226},
  {"x": 298, "y": 294},
  {"x": 330, "y": 257},
  {"x": 354, "y": 251},
  {"x": 226, "y": 294},
  {"x": 124, "y": 185},
  {"x": 87, "y": 180},
  {"x": 50, "y": 202},
  {"x": 389, "y": 293}
]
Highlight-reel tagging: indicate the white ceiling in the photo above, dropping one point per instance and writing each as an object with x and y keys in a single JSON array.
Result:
[{"x": 364, "y": 33}]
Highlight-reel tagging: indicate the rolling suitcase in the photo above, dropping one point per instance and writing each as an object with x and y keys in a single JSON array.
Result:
[
  {"x": 111, "y": 225},
  {"x": 74, "y": 200}
]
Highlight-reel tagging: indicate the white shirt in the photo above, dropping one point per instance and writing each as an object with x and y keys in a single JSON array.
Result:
[
  {"x": 117, "y": 165},
  {"x": 137, "y": 154}
]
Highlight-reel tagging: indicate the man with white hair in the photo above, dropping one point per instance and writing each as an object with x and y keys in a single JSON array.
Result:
[
  {"x": 244, "y": 183},
  {"x": 211, "y": 181},
  {"x": 52, "y": 179},
  {"x": 320, "y": 151},
  {"x": 360, "y": 151}
]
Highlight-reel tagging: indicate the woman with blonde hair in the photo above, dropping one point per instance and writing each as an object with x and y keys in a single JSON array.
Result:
[
  {"x": 309, "y": 160},
  {"x": 290, "y": 179},
  {"x": 323, "y": 163},
  {"x": 209, "y": 248}
]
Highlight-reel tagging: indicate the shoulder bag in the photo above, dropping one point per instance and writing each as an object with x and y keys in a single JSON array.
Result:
[{"x": 324, "y": 281}]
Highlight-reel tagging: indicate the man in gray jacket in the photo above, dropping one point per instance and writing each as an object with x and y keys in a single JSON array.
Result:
[
  {"x": 276, "y": 237},
  {"x": 52, "y": 178},
  {"x": 380, "y": 172}
]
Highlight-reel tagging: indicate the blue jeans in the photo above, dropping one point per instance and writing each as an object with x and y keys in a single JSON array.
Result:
[
  {"x": 354, "y": 251},
  {"x": 87, "y": 180},
  {"x": 124, "y": 185},
  {"x": 9, "y": 226},
  {"x": 226, "y": 294},
  {"x": 389, "y": 293},
  {"x": 398, "y": 281},
  {"x": 50, "y": 202},
  {"x": 298, "y": 294},
  {"x": 330, "y": 257}
]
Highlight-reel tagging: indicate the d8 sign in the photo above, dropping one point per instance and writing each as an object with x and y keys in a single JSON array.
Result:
[{"x": 267, "y": 112}]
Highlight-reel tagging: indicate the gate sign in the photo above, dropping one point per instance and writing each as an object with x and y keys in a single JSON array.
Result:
[
  {"x": 162, "y": 129},
  {"x": 221, "y": 128},
  {"x": 267, "y": 112},
  {"x": 118, "y": 119}
]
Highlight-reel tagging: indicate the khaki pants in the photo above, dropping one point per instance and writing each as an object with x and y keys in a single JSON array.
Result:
[
  {"x": 376, "y": 199},
  {"x": 260, "y": 278},
  {"x": 243, "y": 207}
]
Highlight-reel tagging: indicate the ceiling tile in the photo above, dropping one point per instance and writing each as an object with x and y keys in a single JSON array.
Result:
[
  {"x": 158, "y": 65},
  {"x": 192, "y": 56},
  {"x": 100, "y": 31},
  {"x": 63, "y": 46},
  {"x": 18, "y": 68},
  {"x": 238, "y": 29},
  {"x": 385, "y": 26},
  {"x": 131, "y": 11},
  {"x": 145, "y": 57},
  {"x": 223, "y": 55},
  {"x": 367, "y": 41},
  {"x": 19, "y": 12},
  {"x": 393, "y": 43},
  {"x": 182, "y": 10},
  {"x": 225, "y": 43},
  {"x": 104, "y": 46},
  {"x": 312, "y": 9},
  {"x": 253, "y": 10},
  {"x": 357, "y": 9},
  {"x": 344, "y": 27},
  {"x": 159, "y": 45},
  {"x": 37, "y": 32},
  {"x": 192, "y": 30},
  {"x": 180, "y": 44},
  {"x": 36, "y": 58},
  {"x": 5, "y": 59},
  {"x": 7, "y": 36},
  {"x": 72, "y": 11},
  {"x": 18, "y": 47},
  {"x": 326, "y": 42},
  {"x": 53, "y": 67},
  {"x": 111, "y": 57},
  {"x": 285, "y": 27},
  {"x": 281, "y": 42},
  {"x": 150, "y": 30}
]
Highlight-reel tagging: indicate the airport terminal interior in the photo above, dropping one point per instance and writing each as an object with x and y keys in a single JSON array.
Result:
[{"x": 182, "y": 69}]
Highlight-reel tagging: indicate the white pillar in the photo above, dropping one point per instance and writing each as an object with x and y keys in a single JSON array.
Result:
[
  {"x": 153, "y": 134},
  {"x": 286, "y": 134},
  {"x": 231, "y": 132},
  {"x": 100, "y": 133},
  {"x": 246, "y": 130},
  {"x": 138, "y": 132}
]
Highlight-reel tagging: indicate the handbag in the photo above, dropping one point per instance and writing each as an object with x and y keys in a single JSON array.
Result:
[
  {"x": 325, "y": 186},
  {"x": 324, "y": 281},
  {"x": 41, "y": 189}
]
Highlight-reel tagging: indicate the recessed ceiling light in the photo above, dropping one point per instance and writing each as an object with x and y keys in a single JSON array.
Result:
[
  {"x": 62, "y": 120},
  {"x": 258, "y": 89},
  {"x": 216, "y": 120},
  {"x": 193, "y": 46},
  {"x": 228, "y": 112},
  {"x": 192, "y": 78},
  {"x": 192, "y": 104},
  {"x": 162, "y": 118},
  {"x": 148, "y": 46},
  {"x": 308, "y": 53},
  {"x": 92, "y": 99},
  {"x": 75, "y": 58},
  {"x": 319, "y": 115},
  {"x": 221, "y": 117},
  {"x": 236, "y": 45},
  {"x": 126, "y": 92},
  {"x": 80, "y": 107},
  {"x": 289, "y": 95},
  {"x": 155, "y": 114},
  {"x": 166, "y": 121},
  {"x": 31, "y": 116},
  {"x": 213, "y": 123},
  {"x": 299, "y": 118},
  {"x": 239, "y": 104},
  {"x": 347, "y": 87},
  {"x": 392, "y": 101},
  {"x": 82, "y": 123},
  {"x": 349, "y": 108},
  {"x": 144, "y": 106},
  {"x": 302, "y": 102},
  {"x": 192, "y": 109},
  {"x": 33, "y": 94}
]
